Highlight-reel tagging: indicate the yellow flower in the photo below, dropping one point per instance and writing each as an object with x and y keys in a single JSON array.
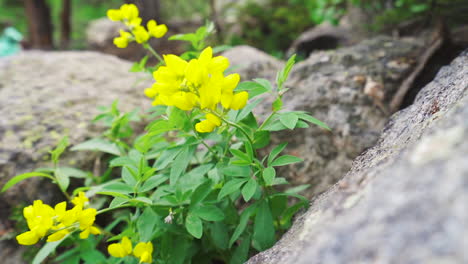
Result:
[
  {"x": 141, "y": 35},
  {"x": 81, "y": 199},
  {"x": 114, "y": 14},
  {"x": 129, "y": 11},
  {"x": 209, "y": 124},
  {"x": 58, "y": 235},
  {"x": 28, "y": 238},
  {"x": 123, "y": 40},
  {"x": 89, "y": 230},
  {"x": 155, "y": 30},
  {"x": 234, "y": 101},
  {"x": 122, "y": 249},
  {"x": 144, "y": 252}
]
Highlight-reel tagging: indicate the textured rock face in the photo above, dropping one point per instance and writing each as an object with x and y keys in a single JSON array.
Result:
[
  {"x": 350, "y": 90},
  {"x": 46, "y": 95},
  {"x": 252, "y": 63},
  {"x": 404, "y": 200}
]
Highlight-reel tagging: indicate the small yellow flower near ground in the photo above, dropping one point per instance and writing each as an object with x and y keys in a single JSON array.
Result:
[
  {"x": 155, "y": 30},
  {"x": 81, "y": 199},
  {"x": 209, "y": 124},
  {"x": 144, "y": 252},
  {"x": 123, "y": 40},
  {"x": 141, "y": 35},
  {"x": 122, "y": 249},
  {"x": 114, "y": 14}
]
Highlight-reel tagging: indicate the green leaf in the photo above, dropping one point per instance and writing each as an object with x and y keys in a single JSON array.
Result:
[
  {"x": 247, "y": 109},
  {"x": 232, "y": 170},
  {"x": 201, "y": 192},
  {"x": 63, "y": 180},
  {"x": 254, "y": 89},
  {"x": 269, "y": 175},
  {"x": 167, "y": 157},
  {"x": 249, "y": 189},
  {"x": 230, "y": 187},
  {"x": 280, "y": 181},
  {"x": 244, "y": 219},
  {"x": 290, "y": 212},
  {"x": 219, "y": 235},
  {"x": 306, "y": 117},
  {"x": 153, "y": 182},
  {"x": 298, "y": 189},
  {"x": 194, "y": 225},
  {"x": 241, "y": 253},
  {"x": 113, "y": 194},
  {"x": 118, "y": 201},
  {"x": 264, "y": 230},
  {"x": 241, "y": 155},
  {"x": 118, "y": 187},
  {"x": 180, "y": 164},
  {"x": 57, "y": 152},
  {"x": 284, "y": 73},
  {"x": 46, "y": 250},
  {"x": 285, "y": 160},
  {"x": 264, "y": 83},
  {"x": 289, "y": 120},
  {"x": 97, "y": 144},
  {"x": 261, "y": 139},
  {"x": 72, "y": 172},
  {"x": 277, "y": 104},
  {"x": 142, "y": 199},
  {"x": 25, "y": 176},
  {"x": 208, "y": 213},
  {"x": 145, "y": 224},
  {"x": 277, "y": 150},
  {"x": 93, "y": 256}
]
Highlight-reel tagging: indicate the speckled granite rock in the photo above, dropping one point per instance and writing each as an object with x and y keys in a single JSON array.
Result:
[
  {"x": 404, "y": 200},
  {"x": 45, "y": 95}
]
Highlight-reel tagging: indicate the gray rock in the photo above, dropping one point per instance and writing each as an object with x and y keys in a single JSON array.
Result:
[
  {"x": 252, "y": 63},
  {"x": 349, "y": 89},
  {"x": 46, "y": 95},
  {"x": 322, "y": 37},
  {"x": 404, "y": 200}
]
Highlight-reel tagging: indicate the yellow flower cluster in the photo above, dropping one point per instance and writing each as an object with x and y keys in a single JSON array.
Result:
[
  {"x": 143, "y": 250},
  {"x": 198, "y": 83},
  {"x": 129, "y": 15},
  {"x": 58, "y": 222}
]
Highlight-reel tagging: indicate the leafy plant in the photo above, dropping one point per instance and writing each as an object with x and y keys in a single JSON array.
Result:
[{"x": 193, "y": 184}]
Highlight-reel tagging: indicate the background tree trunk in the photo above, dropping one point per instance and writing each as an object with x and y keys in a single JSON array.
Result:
[
  {"x": 149, "y": 9},
  {"x": 39, "y": 24},
  {"x": 65, "y": 24}
]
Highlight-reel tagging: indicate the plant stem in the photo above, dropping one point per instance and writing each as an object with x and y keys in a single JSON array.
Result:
[
  {"x": 238, "y": 127},
  {"x": 155, "y": 54},
  {"x": 114, "y": 208},
  {"x": 267, "y": 120},
  {"x": 210, "y": 149}
]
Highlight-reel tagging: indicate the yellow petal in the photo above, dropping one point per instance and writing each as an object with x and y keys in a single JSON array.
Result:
[
  {"x": 114, "y": 14},
  {"x": 57, "y": 235},
  {"x": 141, "y": 35},
  {"x": 239, "y": 100},
  {"x": 126, "y": 245},
  {"x": 84, "y": 234},
  {"x": 230, "y": 82},
  {"x": 226, "y": 100},
  {"x": 116, "y": 250},
  {"x": 218, "y": 64},
  {"x": 213, "y": 119},
  {"x": 27, "y": 238}
]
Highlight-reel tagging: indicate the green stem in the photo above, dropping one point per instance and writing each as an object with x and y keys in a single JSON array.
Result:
[
  {"x": 155, "y": 54},
  {"x": 267, "y": 120},
  {"x": 236, "y": 126},
  {"x": 210, "y": 149},
  {"x": 110, "y": 209}
]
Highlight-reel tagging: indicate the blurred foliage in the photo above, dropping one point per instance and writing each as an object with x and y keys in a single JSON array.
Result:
[
  {"x": 183, "y": 9},
  {"x": 272, "y": 26}
]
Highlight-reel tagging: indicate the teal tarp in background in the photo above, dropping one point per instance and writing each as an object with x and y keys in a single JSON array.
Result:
[{"x": 10, "y": 42}]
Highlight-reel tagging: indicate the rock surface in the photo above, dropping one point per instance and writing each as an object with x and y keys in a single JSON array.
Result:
[
  {"x": 46, "y": 95},
  {"x": 350, "y": 90},
  {"x": 252, "y": 63},
  {"x": 404, "y": 200}
]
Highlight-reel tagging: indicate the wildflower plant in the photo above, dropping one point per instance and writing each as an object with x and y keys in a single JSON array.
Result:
[{"x": 193, "y": 188}]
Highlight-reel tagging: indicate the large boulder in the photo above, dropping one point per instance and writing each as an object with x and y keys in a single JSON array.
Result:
[
  {"x": 404, "y": 200},
  {"x": 350, "y": 89},
  {"x": 46, "y": 95}
]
